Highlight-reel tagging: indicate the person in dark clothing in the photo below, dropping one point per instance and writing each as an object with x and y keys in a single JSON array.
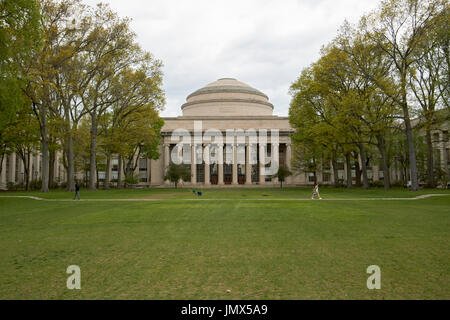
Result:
[{"x": 77, "y": 191}]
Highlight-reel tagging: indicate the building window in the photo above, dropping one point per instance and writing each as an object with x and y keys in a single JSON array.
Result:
[
  {"x": 326, "y": 177},
  {"x": 436, "y": 137},
  {"x": 143, "y": 170},
  {"x": 143, "y": 176},
  {"x": 115, "y": 165},
  {"x": 311, "y": 177},
  {"x": 142, "y": 164}
]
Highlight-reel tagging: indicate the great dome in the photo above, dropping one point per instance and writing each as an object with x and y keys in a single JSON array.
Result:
[{"x": 227, "y": 97}]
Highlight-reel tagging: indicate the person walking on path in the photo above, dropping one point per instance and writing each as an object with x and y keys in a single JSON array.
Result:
[
  {"x": 77, "y": 191},
  {"x": 316, "y": 192}
]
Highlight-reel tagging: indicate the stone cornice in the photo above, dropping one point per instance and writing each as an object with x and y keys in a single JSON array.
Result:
[
  {"x": 244, "y": 118},
  {"x": 227, "y": 89},
  {"x": 188, "y": 104}
]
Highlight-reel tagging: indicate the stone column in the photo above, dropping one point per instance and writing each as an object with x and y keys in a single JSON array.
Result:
[
  {"x": 12, "y": 168},
  {"x": 262, "y": 153},
  {"x": 248, "y": 166},
  {"x": 20, "y": 171},
  {"x": 376, "y": 173},
  {"x": 55, "y": 167},
  {"x": 193, "y": 164},
  {"x": 36, "y": 167},
  {"x": 443, "y": 151},
  {"x": 220, "y": 182},
  {"x": 166, "y": 160},
  {"x": 235, "y": 165},
  {"x": 3, "y": 183},
  {"x": 206, "y": 157},
  {"x": 149, "y": 172},
  {"x": 288, "y": 161},
  {"x": 276, "y": 158}
]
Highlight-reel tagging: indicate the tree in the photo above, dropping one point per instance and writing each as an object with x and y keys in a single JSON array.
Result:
[
  {"x": 112, "y": 50},
  {"x": 19, "y": 36},
  {"x": 23, "y": 137},
  {"x": 425, "y": 80},
  {"x": 131, "y": 127},
  {"x": 282, "y": 173},
  {"x": 317, "y": 132},
  {"x": 177, "y": 172},
  {"x": 71, "y": 80},
  {"x": 42, "y": 69},
  {"x": 397, "y": 29}
]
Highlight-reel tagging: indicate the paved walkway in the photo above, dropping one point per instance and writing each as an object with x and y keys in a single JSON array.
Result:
[{"x": 200, "y": 199}]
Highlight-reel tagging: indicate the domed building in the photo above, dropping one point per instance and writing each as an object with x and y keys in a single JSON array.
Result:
[
  {"x": 240, "y": 114},
  {"x": 227, "y": 97}
]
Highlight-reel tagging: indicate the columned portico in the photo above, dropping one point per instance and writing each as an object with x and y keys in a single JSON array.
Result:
[
  {"x": 193, "y": 164},
  {"x": 207, "y": 157},
  {"x": 166, "y": 159},
  {"x": 235, "y": 165},
  {"x": 233, "y": 118},
  {"x": 220, "y": 164},
  {"x": 275, "y": 158},
  {"x": 288, "y": 160},
  {"x": 262, "y": 165},
  {"x": 248, "y": 166}
]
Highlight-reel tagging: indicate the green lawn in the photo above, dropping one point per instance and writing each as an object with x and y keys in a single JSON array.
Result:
[{"x": 233, "y": 246}]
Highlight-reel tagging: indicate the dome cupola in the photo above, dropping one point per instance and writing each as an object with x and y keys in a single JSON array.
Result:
[{"x": 227, "y": 97}]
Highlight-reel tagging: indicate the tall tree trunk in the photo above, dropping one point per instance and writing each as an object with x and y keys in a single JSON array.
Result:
[
  {"x": 70, "y": 164},
  {"x": 357, "y": 170},
  {"x": 335, "y": 173},
  {"x": 402, "y": 174},
  {"x": 409, "y": 137},
  {"x": 44, "y": 144},
  {"x": 107, "y": 175},
  {"x": 430, "y": 159},
  {"x": 1, "y": 160},
  {"x": 365, "y": 182},
  {"x": 27, "y": 170},
  {"x": 51, "y": 168},
  {"x": 119, "y": 174},
  {"x": 93, "y": 164},
  {"x": 348, "y": 165},
  {"x": 386, "y": 176},
  {"x": 97, "y": 180}
]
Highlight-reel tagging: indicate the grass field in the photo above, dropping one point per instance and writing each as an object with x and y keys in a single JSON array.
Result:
[{"x": 229, "y": 244}]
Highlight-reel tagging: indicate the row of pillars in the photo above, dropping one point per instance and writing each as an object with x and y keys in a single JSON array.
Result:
[
  {"x": 17, "y": 174},
  {"x": 248, "y": 165}
]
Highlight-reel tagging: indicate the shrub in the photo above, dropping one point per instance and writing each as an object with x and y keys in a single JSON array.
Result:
[
  {"x": 377, "y": 184},
  {"x": 131, "y": 179},
  {"x": 36, "y": 184}
]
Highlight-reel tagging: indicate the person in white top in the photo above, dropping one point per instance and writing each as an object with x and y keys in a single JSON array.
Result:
[{"x": 316, "y": 192}]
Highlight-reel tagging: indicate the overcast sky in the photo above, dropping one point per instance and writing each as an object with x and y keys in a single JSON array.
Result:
[{"x": 264, "y": 43}]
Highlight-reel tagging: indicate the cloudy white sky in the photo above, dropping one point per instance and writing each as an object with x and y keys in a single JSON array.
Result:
[{"x": 264, "y": 43}]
